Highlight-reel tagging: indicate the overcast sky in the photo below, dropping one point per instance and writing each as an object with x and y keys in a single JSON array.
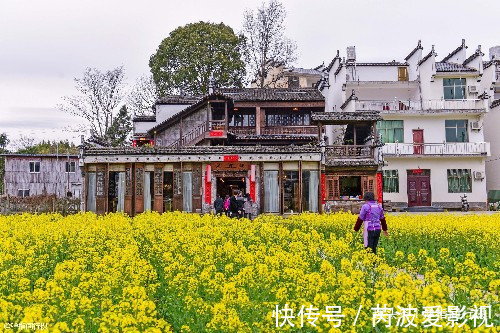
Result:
[{"x": 45, "y": 44}]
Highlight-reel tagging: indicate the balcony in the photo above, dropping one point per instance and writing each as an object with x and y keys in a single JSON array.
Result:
[
  {"x": 409, "y": 106},
  {"x": 348, "y": 151},
  {"x": 290, "y": 130},
  {"x": 436, "y": 149}
]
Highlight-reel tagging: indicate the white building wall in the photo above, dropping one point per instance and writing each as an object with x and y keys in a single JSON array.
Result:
[
  {"x": 375, "y": 73},
  {"x": 165, "y": 111},
  {"x": 438, "y": 179}
]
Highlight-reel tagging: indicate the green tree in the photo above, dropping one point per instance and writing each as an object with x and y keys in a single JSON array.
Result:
[
  {"x": 120, "y": 128},
  {"x": 196, "y": 53},
  {"x": 61, "y": 147}
]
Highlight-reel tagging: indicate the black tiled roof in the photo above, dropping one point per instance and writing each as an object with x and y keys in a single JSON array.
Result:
[
  {"x": 202, "y": 150},
  {"x": 495, "y": 103},
  {"x": 487, "y": 64},
  {"x": 339, "y": 68},
  {"x": 358, "y": 162},
  {"x": 451, "y": 67},
  {"x": 454, "y": 51},
  {"x": 424, "y": 59},
  {"x": 350, "y": 98},
  {"x": 391, "y": 63},
  {"x": 272, "y": 94},
  {"x": 307, "y": 71},
  {"x": 476, "y": 54},
  {"x": 347, "y": 116},
  {"x": 144, "y": 118},
  {"x": 178, "y": 99},
  {"x": 330, "y": 65},
  {"x": 419, "y": 47}
]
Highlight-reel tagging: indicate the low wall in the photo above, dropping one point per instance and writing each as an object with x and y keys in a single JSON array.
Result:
[{"x": 39, "y": 204}]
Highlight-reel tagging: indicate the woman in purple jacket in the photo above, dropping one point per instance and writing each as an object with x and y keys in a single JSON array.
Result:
[{"x": 373, "y": 217}]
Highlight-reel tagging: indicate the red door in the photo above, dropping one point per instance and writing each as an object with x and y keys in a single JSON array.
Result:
[
  {"x": 419, "y": 188},
  {"x": 418, "y": 140}
]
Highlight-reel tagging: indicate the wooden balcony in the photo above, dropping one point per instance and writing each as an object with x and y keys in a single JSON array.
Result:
[
  {"x": 349, "y": 151},
  {"x": 312, "y": 130}
]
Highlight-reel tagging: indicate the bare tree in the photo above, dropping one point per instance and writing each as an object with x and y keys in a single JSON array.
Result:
[
  {"x": 143, "y": 96},
  {"x": 98, "y": 99},
  {"x": 266, "y": 47},
  {"x": 23, "y": 142}
]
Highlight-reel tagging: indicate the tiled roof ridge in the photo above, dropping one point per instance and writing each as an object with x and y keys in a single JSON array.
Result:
[
  {"x": 330, "y": 65},
  {"x": 390, "y": 63},
  {"x": 476, "y": 54},
  {"x": 418, "y": 47},
  {"x": 430, "y": 54},
  {"x": 495, "y": 103},
  {"x": 350, "y": 98},
  {"x": 144, "y": 118},
  {"x": 454, "y": 51}
]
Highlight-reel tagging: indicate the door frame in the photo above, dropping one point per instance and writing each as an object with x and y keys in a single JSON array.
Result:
[
  {"x": 418, "y": 175},
  {"x": 418, "y": 147}
]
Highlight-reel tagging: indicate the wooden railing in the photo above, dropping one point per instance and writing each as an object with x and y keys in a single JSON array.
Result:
[
  {"x": 290, "y": 130},
  {"x": 348, "y": 151},
  {"x": 242, "y": 130}
]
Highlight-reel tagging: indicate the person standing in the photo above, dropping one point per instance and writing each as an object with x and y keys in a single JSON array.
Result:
[
  {"x": 226, "y": 205},
  {"x": 233, "y": 206},
  {"x": 241, "y": 204},
  {"x": 247, "y": 206},
  {"x": 372, "y": 216},
  {"x": 218, "y": 206}
]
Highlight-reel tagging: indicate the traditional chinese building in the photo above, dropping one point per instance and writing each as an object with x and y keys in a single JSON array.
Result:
[{"x": 268, "y": 143}]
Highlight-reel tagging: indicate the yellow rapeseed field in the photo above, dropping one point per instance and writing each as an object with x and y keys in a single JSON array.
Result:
[{"x": 189, "y": 273}]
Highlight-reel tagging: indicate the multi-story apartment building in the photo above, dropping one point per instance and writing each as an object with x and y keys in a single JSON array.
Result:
[
  {"x": 267, "y": 143},
  {"x": 434, "y": 122}
]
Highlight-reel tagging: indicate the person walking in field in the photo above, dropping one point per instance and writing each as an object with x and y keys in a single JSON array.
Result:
[{"x": 372, "y": 216}]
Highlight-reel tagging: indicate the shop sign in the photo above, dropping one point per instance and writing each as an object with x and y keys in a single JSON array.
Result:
[{"x": 230, "y": 166}]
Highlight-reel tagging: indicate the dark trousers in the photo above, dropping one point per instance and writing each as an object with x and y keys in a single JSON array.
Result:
[{"x": 373, "y": 236}]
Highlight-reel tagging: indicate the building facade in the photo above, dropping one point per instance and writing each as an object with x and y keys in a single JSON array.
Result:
[
  {"x": 268, "y": 143},
  {"x": 434, "y": 122},
  {"x": 42, "y": 174}
]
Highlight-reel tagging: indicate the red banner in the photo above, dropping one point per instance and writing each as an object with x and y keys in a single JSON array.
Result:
[
  {"x": 380, "y": 187},
  {"x": 231, "y": 158},
  {"x": 252, "y": 191},
  {"x": 208, "y": 184},
  {"x": 216, "y": 133}
]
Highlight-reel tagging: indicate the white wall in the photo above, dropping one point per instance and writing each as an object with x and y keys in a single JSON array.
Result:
[
  {"x": 375, "y": 73},
  {"x": 143, "y": 126},
  {"x": 492, "y": 135},
  {"x": 434, "y": 127},
  {"x": 165, "y": 111},
  {"x": 439, "y": 177}
]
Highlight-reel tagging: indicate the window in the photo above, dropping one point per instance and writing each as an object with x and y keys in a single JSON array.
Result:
[
  {"x": 459, "y": 181},
  {"x": 23, "y": 193},
  {"x": 402, "y": 73},
  {"x": 310, "y": 186},
  {"x": 456, "y": 130},
  {"x": 454, "y": 88},
  {"x": 391, "y": 181},
  {"x": 70, "y": 166},
  {"x": 271, "y": 192},
  {"x": 291, "y": 118},
  {"x": 293, "y": 82},
  {"x": 391, "y": 131},
  {"x": 291, "y": 192},
  {"x": 34, "y": 167},
  {"x": 242, "y": 120},
  {"x": 350, "y": 187},
  {"x": 187, "y": 191}
]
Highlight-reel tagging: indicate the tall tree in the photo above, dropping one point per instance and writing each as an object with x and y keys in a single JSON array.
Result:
[
  {"x": 120, "y": 128},
  {"x": 192, "y": 55},
  {"x": 266, "y": 47},
  {"x": 99, "y": 97},
  {"x": 143, "y": 96}
]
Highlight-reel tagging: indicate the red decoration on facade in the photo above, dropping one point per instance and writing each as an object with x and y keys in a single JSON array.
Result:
[
  {"x": 417, "y": 171},
  {"x": 252, "y": 191},
  {"x": 216, "y": 133},
  {"x": 208, "y": 184},
  {"x": 323, "y": 188},
  {"x": 380, "y": 187},
  {"x": 231, "y": 158}
]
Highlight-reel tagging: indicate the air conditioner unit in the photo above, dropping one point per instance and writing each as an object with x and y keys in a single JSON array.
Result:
[
  {"x": 473, "y": 89},
  {"x": 478, "y": 175},
  {"x": 475, "y": 125}
]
